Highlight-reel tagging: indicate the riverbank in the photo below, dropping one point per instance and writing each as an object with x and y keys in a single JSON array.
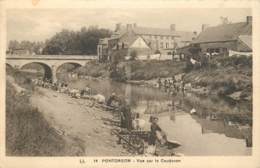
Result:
[
  {"x": 27, "y": 131},
  {"x": 42, "y": 122},
  {"x": 81, "y": 119},
  {"x": 224, "y": 76}
]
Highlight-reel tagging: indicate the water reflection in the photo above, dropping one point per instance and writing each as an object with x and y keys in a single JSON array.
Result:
[{"x": 207, "y": 133}]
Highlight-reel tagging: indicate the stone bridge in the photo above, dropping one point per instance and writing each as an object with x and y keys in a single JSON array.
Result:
[{"x": 50, "y": 63}]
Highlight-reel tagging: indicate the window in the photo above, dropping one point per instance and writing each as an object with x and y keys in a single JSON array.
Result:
[
  {"x": 213, "y": 50},
  {"x": 157, "y": 44},
  {"x": 167, "y": 45},
  {"x": 161, "y": 45},
  {"x": 161, "y": 37},
  {"x": 172, "y": 38},
  {"x": 172, "y": 44},
  {"x": 155, "y": 37},
  {"x": 167, "y": 37}
]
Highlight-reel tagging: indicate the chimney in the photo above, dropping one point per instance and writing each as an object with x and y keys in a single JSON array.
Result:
[
  {"x": 118, "y": 26},
  {"x": 172, "y": 27},
  {"x": 134, "y": 25},
  {"x": 128, "y": 27},
  {"x": 249, "y": 19},
  {"x": 204, "y": 27}
]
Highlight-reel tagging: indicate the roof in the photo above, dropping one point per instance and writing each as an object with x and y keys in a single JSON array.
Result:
[
  {"x": 186, "y": 36},
  {"x": 247, "y": 40},
  {"x": 128, "y": 38},
  {"x": 149, "y": 31},
  {"x": 103, "y": 41},
  {"x": 226, "y": 32}
]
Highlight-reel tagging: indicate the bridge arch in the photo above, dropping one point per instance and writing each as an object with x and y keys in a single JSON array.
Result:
[
  {"x": 8, "y": 65},
  {"x": 48, "y": 70},
  {"x": 71, "y": 65},
  {"x": 8, "y": 68},
  {"x": 75, "y": 64}
]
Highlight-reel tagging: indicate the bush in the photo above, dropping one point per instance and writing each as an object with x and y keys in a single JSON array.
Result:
[
  {"x": 118, "y": 75},
  {"x": 194, "y": 50},
  {"x": 235, "y": 61},
  {"x": 133, "y": 55}
]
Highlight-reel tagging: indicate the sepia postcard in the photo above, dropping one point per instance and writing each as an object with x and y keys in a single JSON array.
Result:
[{"x": 118, "y": 83}]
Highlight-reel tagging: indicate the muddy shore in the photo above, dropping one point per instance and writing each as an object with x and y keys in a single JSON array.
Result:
[{"x": 80, "y": 119}]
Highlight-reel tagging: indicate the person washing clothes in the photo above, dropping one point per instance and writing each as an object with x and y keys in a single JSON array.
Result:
[
  {"x": 138, "y": 123},
  {"x": 112, "y": 98},
  {"x": 125, "y": 115},
  {"x": 157, "y": 135}
]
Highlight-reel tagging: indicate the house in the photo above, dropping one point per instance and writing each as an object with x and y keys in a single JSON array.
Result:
[
  {"x": 20, "y": 51},
  {"x": 145, "y": 40},
  {"x": 122, "y": 46},
  {"x": 223, "y": 38},
  {"x": 159, "y": 38},
  {"x": 129, "y": 45}
]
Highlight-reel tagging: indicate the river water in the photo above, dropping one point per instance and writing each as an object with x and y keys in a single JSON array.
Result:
[{"x": 199, "y": 135}]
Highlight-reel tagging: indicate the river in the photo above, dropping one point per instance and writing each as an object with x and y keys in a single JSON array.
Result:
[{"x": 199, "y": 135}]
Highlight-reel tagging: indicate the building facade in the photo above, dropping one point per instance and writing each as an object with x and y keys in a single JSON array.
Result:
[
  {"x": 161, "y": 39},
  {"x": 149, "y": 40}
]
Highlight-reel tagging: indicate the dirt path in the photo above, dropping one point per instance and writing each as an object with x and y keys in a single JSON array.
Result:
[{"x": 78, "y": 119}]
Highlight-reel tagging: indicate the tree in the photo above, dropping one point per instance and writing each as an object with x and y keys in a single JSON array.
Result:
[
  {"x": 65, "y": 42},
  {"x": 32, "y": 47},
  {"x": 194, "y": 50},
  {"x": 224, "y": 20},
  {"x": 84, "y": 41}
]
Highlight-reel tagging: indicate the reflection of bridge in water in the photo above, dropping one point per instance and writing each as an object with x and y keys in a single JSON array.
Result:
[{"x": 50, "y": 63}]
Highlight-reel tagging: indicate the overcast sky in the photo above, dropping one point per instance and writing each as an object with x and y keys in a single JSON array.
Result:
[{"x": 38, "y": 25}]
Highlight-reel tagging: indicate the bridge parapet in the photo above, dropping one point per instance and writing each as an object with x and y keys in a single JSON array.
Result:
[{"x": 53, "y": 57}]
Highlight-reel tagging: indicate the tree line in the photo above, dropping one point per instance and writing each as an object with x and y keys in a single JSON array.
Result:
[{"x": 65, "y": 42}]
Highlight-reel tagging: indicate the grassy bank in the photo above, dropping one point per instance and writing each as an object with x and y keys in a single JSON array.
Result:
[
  {"x": 27, "y": 131},
  {"x": 220, "y": 75},
  {"x": 224, "y": 76},
  {"x": 147, "y": 70},
  {"x": 94, "y": 69},
  {"x": 134, "y": 70}
]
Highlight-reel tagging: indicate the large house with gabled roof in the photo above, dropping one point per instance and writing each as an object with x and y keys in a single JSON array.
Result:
[
  {"x": 223, "y": 38},
  {"x": 143, "y": 40}
]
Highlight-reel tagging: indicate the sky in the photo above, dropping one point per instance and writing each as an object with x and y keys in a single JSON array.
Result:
[{"x": 41, "y": 24}]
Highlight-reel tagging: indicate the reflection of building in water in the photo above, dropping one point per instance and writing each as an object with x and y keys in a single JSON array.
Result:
[
  {"x": 128, "y": 71},
  {"x": 153, "y": 107},
  {"x": 173, "y": 116},
  {"x": 128, "y": 94}
]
